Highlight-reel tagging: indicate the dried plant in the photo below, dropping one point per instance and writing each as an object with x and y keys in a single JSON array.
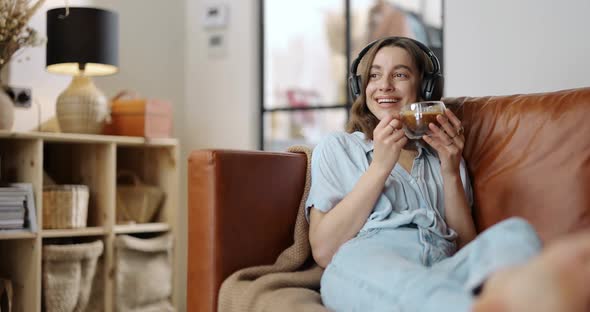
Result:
[{"x": 14, "y": 31}]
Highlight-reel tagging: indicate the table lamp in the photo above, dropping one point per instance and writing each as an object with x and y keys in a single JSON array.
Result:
[{"x": 82, "y": 42}]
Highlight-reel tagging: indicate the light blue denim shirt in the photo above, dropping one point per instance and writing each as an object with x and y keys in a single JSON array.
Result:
[{"x": 339, "y": 161}]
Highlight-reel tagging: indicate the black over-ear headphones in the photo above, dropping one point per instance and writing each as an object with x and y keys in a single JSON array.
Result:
[{"x": 430, "y": 83}]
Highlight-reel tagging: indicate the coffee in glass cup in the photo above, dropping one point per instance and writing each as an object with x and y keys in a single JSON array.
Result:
[{"x": 417, "y": 116}]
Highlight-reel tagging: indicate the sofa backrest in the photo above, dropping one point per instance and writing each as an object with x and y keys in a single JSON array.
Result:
[{"x": 529, "y": 156}]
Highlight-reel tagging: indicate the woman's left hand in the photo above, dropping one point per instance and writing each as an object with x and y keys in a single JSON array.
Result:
[{"x": 448, "y": 140}]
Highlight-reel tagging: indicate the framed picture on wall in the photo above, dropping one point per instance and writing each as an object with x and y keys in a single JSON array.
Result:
[{"x": 306, "y": 50}]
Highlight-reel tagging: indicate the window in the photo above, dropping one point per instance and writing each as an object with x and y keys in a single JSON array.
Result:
[{"x": 307, "y": 48}]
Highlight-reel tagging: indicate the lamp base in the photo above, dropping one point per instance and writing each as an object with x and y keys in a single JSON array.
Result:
[{"x": 82, "y": 107}]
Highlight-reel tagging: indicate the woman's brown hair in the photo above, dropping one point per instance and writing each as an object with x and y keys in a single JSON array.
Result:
[{"x": 361, "y": 118}]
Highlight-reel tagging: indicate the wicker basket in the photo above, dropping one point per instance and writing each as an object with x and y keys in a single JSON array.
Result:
[
  {"x": 136, "y": 202},
  {"x": 65, "y": 206}
]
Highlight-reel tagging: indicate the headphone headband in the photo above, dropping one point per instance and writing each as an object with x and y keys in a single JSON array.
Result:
[{"x": 430, "y": 80}]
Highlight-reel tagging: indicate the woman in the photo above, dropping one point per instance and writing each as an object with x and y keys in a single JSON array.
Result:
[{"x": 387, "y": 216}]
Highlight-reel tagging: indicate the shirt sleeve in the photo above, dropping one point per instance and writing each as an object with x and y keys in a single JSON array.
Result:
[{"x": 333, "y": 173}]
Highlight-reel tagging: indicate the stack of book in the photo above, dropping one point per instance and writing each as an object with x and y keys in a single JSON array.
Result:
[{"x": 17, "y": 207}]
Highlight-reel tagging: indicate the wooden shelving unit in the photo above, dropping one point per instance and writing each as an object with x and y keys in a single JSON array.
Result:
[
  {"x": 88, "y": 231},
  {"x": 93, "y": 160},
  {"x": 142, "y": 228},
  {"x": 17, "y": 235}
]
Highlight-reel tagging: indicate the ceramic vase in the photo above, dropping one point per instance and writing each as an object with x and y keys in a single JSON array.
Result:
[
  {"x": 82, "y": 108},
  {"x": 6, "y": 110}
]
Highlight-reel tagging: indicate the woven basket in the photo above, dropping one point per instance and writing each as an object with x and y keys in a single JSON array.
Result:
[
  {"x": 68, "y": 275},
  {"x": 136, "y": 202},
  {"x": 65, "y": 206}
]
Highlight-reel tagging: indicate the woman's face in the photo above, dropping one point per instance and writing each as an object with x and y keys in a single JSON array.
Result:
[{"x": 392, "y": 83}]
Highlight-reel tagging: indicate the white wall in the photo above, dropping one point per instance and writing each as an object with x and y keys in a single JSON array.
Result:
[
  {"x": 496, "y": 47},
  {"x": 222, "y": 91}
]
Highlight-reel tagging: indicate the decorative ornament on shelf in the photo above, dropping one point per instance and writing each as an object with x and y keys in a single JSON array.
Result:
[
  {"x": 15, "y": 35},
  {"x": 82, "y": 42}
]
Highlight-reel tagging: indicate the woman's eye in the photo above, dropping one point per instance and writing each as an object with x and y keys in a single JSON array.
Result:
[
  {"x": 373, "y": 76},
  {"x": 400, "y": 75}
]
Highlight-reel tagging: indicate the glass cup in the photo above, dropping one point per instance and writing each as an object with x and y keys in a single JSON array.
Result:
[{"x": 415, "y": 117}]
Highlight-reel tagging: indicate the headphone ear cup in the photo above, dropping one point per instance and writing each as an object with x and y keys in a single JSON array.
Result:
[
  {"x": 437, "y": 82},
  {"x": 426, "y": 89},
  {"x": 354, "y": 83},
  {"x": 432, "y": 86},
  {"x": 359, "y": 85}
]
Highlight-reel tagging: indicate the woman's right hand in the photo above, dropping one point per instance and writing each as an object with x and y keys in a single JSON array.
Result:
[
  {"x": 388, "y": 141},
  {"x": 328, "y": 231}
]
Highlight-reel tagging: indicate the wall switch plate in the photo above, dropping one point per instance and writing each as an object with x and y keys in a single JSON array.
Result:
[
  {"x": 215, "y": 16},
  {"x": 217, "y": 45},
  {"x": 22, "y": 97}
]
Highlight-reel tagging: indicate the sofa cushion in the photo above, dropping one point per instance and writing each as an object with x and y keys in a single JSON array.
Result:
[{"x": 529, "y": 156}]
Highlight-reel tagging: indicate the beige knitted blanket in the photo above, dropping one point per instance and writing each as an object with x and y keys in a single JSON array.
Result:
[{"x": 290, "y": 284}]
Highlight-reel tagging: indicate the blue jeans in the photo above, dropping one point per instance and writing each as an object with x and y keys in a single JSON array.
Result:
[{"x": 397, "y": 270}]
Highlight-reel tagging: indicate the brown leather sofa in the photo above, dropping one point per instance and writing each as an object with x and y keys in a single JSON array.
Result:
[{"x": 528, "y": 155}]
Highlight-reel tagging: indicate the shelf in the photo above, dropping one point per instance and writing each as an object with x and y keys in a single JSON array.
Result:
[
  {"x": 4, "y": 235},
  {"x": 141, "y": 228},
  {"x": 88, "y": 231},
  {"x": 89, "y": 138},
  {"x": 94, "y": 161}
]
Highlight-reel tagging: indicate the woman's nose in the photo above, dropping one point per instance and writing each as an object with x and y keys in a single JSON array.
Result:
[{"x": 386, "y": 84}]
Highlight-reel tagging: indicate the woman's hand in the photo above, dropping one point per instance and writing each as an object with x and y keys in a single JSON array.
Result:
[
  {"x": 388, "y": 140},
  {"x": 448, "y": 140}
]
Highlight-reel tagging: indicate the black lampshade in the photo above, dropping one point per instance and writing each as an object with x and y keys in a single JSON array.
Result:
[{"x": 87, "y": 38}]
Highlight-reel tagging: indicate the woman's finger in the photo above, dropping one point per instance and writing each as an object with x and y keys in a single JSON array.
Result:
[
  {"x": 442, "y": 135},
  {"x": 394, "y": 137},
  {"x": 384, "y": 121},
  {"x": 453, "y": 119},
  {"x": 398, "y": 134},
  {"x": 448, "y": 128},
  {"x": 434, "y": 142},
  {"x": 396, "y": 124},
  {"x": 383, "y": 129}
]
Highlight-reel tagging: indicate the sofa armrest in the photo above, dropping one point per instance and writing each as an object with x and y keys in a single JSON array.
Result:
[{"x": 242, "y": 211}]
